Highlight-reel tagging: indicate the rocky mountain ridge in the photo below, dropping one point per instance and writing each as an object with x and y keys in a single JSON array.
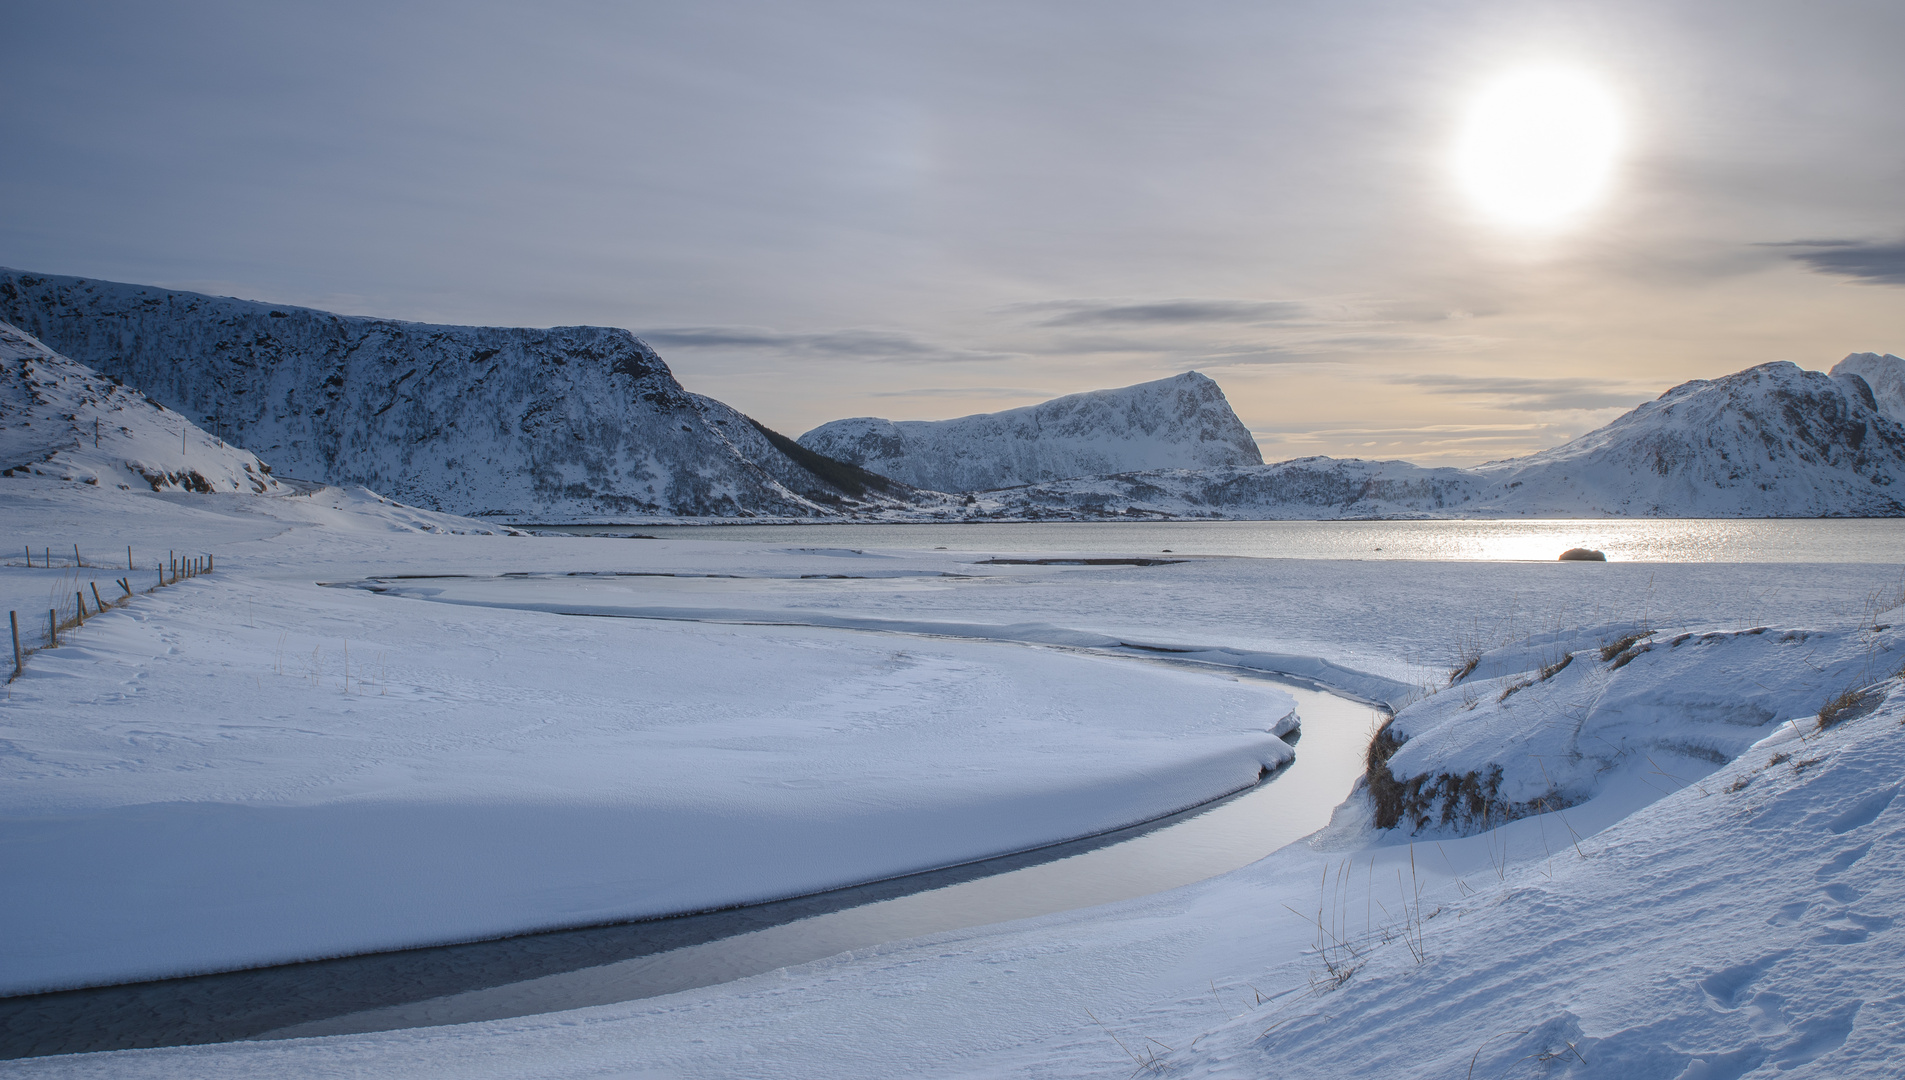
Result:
[{"x": 572, "y": 423}]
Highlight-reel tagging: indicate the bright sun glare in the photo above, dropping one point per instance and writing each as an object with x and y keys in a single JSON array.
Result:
[{"x": 1538, "y": 147}]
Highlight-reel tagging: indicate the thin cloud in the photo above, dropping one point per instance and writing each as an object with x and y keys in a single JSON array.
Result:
[
  {"x": 1540, "y": 395},
  {"x": 1857, "y": 259},
  {"x": 848, "y": 344},
  {"x": 1176, "y": 312}
]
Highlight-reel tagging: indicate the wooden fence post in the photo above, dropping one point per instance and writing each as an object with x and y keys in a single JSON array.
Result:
[
  {"x": 129, "y": 566},
  {"x": 77, "y": 561},
  {"x": 97, "y": 602},
  {"x": 53, "y": 627},
  {"x": 79, "y": 598},
  {"x": 13, "y": 620}
]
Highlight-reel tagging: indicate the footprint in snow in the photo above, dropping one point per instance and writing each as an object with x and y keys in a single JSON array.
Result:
[
  {"x": 1724, "y": 989},
  {"x": 1842, "y": 862}
]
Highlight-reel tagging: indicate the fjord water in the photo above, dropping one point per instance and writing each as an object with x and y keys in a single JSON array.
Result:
[{"x": 1748, "y": 540}]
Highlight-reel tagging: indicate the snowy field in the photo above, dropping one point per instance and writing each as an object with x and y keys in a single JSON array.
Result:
[{"x": 194, "y": 783}]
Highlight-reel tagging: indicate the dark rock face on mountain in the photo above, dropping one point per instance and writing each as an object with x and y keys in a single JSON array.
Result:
[
  {"x": 572, "y": 423},
  {"x": 1180, "y": 422},
  {"x": 1771, "y": 441}
]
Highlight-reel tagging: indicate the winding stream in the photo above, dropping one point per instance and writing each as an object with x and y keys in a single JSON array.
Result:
[{"x": 571, "y": 969}]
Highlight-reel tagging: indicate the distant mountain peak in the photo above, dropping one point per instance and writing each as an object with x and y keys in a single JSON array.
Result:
[
  {"x": 1179, "y": 422},
  {"x": 1884, "y": 375}
]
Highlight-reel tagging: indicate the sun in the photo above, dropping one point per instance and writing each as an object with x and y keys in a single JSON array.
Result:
[{"x": 1538, "y": 147}]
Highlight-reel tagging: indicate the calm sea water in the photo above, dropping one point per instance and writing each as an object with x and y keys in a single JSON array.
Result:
[{"x": 1859, "y": 540}]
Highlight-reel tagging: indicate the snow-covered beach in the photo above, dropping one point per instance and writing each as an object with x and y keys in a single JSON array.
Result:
[{"x": 492, "y": 748}]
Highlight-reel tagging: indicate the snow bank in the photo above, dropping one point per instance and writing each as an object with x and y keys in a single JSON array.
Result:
[
  {"x": 236, "y": 771},
  {"x": 1539, "y": 726}
]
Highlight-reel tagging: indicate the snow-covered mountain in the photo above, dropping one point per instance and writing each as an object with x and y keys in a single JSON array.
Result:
[
  {"x": 565, "y": 424},
  {"x": 1884, "y": 373},
  {"x": 1771, "y": 441},
  {"x": 62, "y": 419},
  {"x": 1180, "y": 422}
]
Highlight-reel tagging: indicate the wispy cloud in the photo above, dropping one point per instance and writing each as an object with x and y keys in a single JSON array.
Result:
[
  {"x": 1184, "y": 311},
  {"x": 1538, "y": 395},
  {"x": 1863, "y": 260},
  {"x": 847, "y": 344}
]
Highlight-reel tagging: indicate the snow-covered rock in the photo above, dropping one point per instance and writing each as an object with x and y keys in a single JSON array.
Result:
[
  {"x": 564, "y": 424},
  {"x": 63, "y": 420},
  {"x": 1180, "y": 422},
  {"x": 1539, "y": 726},
  {"x": 1884, "y": 373},
  {"x": 1771, "y": 441}
]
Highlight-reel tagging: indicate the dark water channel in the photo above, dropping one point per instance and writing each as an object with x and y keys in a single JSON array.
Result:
[{"x": 550, "y": 972}]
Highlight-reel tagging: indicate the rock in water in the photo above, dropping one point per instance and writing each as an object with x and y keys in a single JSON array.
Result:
[
  {"x": 1180, "y": 422},
  {"x": 1583, "y": 555},
  {"x": 573, "y": 423}
]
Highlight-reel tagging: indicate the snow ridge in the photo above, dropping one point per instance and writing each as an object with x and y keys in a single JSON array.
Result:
[
  {"x": 62, "y": 419},
  {"x": 565, "y": 424},
  {"x": 1180, "y": 422}
]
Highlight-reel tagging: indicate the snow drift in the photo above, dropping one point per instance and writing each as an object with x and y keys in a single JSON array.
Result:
[
  {"x": 1180, "y": 422},
  {"x": 62, "y": 419},
  {"x": 570, "y": 423}
]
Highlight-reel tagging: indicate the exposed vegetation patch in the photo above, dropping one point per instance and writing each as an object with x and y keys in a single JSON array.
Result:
[{"x": 1850, "y": 705}]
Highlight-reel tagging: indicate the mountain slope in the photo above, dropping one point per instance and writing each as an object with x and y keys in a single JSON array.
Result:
[
  {"x": 61, "y": 419},
  {"x": 1180, "y": 422},
  {"x": 564, "y": 424},
  {"x": 1771, "y": 441}
]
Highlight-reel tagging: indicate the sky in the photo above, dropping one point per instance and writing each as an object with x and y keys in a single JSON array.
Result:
[{"x": 920, "y": 211}]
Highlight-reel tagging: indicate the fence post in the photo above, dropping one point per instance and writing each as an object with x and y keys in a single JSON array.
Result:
[
  {"x": 79, "y": 598},
  {"x": 53, "y": 627},
  {"x": 97, "y": 602},
  {"x": 13, "y": 620},
  {"x": 77, "y": 561},
  {"x": 129, "y": 566},
  {"x": 29, "y": 556}
]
